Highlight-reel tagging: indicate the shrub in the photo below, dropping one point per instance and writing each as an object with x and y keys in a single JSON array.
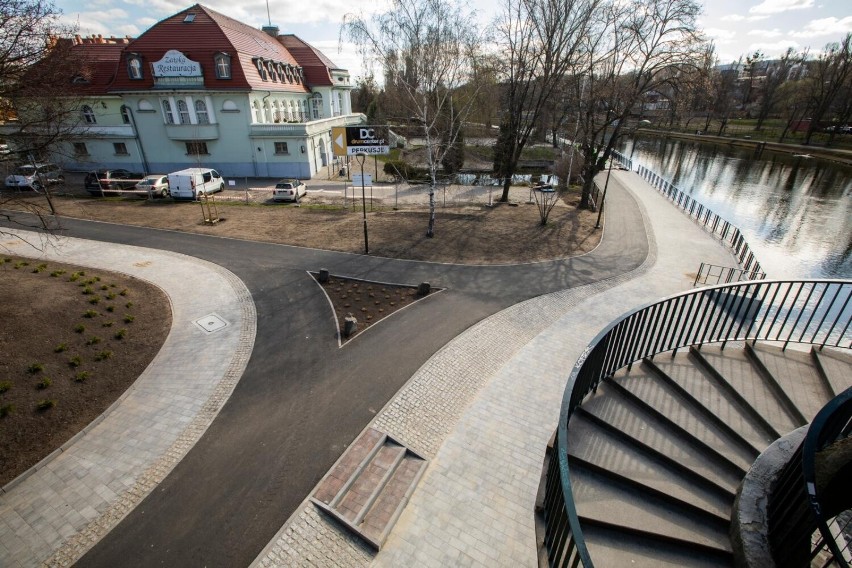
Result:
[
  {"x": 60, "y": 348},
  {"x": 128, "y": 305},
  {"x": 21, "y": 264},
  {"x": 45, "y": 404},
  {"x": 75, "y": 361},
  {"x": 87, "y": 290},
  {"x": 6, "y": 410},
  {"x": 81, "y": 377},
  {"x": 35, "y": 368},
  {"x": 106, "y": 324},
  {"x": 44, "y": 383},
  {"x": 4, "y": 386},
  {"x": 110, "y": 309},
  {"x": 121, "y": 333},
  {"x": 111, "y": 296},
  {"x": 74, "y": 277},
  {"x": 104, "y": 287},
  {"x": 94, "y": 301},
  {"x": 79, "y": 328},
  {"x": 57, "y": 273},
  {"x": 123, "y": 292},
  {"x": 128, "y": 318},
  {"x": 103, "y": 355},
  {"x": 40, "y": 268},
  {"x": 94, "y": 340},
  {"x": 90, "y": 314}
]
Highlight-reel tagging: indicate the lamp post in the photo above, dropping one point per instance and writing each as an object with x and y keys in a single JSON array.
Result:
[
  {"x": 360, "y": 156},
  {"x": 603, "y": 198}
]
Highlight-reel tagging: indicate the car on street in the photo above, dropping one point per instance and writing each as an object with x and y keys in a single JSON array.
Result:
[
  {"x": 98, "y": 181},
  {"x": 289, "y": 190},
  {"x": 155, "y": 185},
  {"x": 34, "y": 176}
]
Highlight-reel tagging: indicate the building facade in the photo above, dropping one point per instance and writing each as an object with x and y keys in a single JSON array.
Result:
[{"x": 202, "y": 89}]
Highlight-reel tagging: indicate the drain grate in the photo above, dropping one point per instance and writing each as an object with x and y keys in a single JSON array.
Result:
[{"x": 211, "y": 323}]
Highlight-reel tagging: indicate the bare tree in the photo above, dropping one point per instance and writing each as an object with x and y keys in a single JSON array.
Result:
[
  {"x": 543, "y": 42},
  {"x": 776, "y": 76},
  {"x": 826, "y": 80},
  {"x": 427, "y": 49}
]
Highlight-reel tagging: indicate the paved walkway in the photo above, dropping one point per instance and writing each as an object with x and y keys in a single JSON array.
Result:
[
  {"x": 484, "y": 407},
  {"x": 482, "y": 410}
]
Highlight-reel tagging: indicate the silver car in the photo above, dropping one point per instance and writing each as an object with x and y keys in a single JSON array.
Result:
[
  {"x": 155, "y": 185},
  {"x": 289, "y": 190},
  {"x": 35, "y": 176}
]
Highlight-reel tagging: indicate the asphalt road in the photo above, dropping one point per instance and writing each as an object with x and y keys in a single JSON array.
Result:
[{"x": 302, "y": 399}]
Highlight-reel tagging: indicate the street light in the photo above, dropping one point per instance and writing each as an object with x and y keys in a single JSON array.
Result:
[
  {"x": 360, "y": 156},
  {"x": 603, "y": 198}
]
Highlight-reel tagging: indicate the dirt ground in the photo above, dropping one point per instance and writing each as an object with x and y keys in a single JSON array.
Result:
[{"x": 56, "y": 377}]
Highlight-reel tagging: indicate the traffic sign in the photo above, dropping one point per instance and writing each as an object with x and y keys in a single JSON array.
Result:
[{"x": 351, "y": 140}]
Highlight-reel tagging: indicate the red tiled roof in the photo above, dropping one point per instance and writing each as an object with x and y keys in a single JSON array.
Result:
[
  {"x": 314, "y": 62},
  {"x": 209, "y": 34}
]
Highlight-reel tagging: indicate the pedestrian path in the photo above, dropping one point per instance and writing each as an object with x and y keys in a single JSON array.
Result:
[
  {"x": 57, "y": 510},
  {"x": 484, "y": 407}
]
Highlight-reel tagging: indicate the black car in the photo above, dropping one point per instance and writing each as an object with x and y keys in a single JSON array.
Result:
[{"x": 106, "y": 180}]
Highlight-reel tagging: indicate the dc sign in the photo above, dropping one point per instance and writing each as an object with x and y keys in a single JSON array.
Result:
[{"x": 351, "y": 140}]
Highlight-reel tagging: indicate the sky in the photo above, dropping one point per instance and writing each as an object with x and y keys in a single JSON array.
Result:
[{"x": 737, "y": 27}]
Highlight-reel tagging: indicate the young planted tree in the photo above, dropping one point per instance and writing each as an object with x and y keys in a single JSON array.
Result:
[{"x": 427, "y": 50}]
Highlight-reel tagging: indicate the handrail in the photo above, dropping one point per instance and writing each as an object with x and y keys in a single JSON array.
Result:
[
  {"x": 806, "y": 311},
  {"x": 724, "y": 274}
]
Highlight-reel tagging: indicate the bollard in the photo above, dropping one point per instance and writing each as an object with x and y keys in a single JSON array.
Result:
[
  {"x": 350, "y": 325},
  {"x": 323, "y": 275},
  {"x": 423, "y": 289}
]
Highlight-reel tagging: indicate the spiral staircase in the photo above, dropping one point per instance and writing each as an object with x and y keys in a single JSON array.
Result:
[{"x": 669, "y": 408}]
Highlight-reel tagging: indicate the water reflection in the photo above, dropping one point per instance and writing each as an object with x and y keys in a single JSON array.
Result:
[{"x": 796, "y": 212}]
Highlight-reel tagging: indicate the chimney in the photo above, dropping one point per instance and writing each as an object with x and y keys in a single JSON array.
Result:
[
  {"x": 270, "y": 30},
  {"x": 77, "y": 39}
]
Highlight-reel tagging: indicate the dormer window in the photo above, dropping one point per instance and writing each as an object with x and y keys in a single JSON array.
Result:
[
  {"x": 88, "y": 115},
  {"x": 134, "y": 66},
  {"x": 261, "y": 69},
  {"x": 223, "y": 66},
  {"x": 270, "y": 66}
]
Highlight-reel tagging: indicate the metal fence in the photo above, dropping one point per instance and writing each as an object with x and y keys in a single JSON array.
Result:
[
  {"x": 709, "y": 274},
  {"x": 811, "y": 311}
]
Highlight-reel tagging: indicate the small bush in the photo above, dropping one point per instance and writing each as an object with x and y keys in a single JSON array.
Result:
[
  {"x": 94, "y": 301},
  {"x": 79, "y": 328},
  {"x": 57, "y": 273},
  {"x": 111, "y": 296},
  {"x": 128, "y": 305},
  {"x": 121, "y": 333},
  {"x": 81, "y": 377},
  {"x": 87, "y": 290},
  {"x": 110, "y": 309},
  {"x": 128, "y": 318},
  {"x": 94, "y": 340},
  {"x": 75, "y": 361},
  {"x": 44, "y": 383},
  {"x": 35, "y": 368},
  {"x": 4, "y": 386},
  {"x": 6, "y": 410},
  {"x": 3, "y": 261},
  {"x": 103, "y": 355},
  {"x": 123, "y": 292},
  {"x": 74, "y": 277},
  {"x": 21, "y": 264},
  {"x": 106, "y": 324},
  {"x": 60, "y": 348},
  {"x": 45, "y": 404},
  {"x": 104, "y": 287},
  {"x": 40, "y": 268},
  {"x": 90, "y": 314}
]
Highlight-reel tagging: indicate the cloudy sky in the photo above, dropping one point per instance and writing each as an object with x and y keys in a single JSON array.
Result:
[{"x": 738, "y": 27}]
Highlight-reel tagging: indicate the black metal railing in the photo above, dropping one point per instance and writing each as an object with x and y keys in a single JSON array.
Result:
[
  {"x": 724, "y": 230},
  {"x": 709, "y": 274},
  {"x": 813, "y": 311}
]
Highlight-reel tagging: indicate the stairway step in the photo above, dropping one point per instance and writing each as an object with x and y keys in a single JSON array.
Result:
[
  {"x": 601, "y": 500},
  {"x": 743, "y": 377},
  {"x": 684, "y": 412},
  {"x": 685, "y": 370},
  {"x": 836, "y": 367},
  {"x": 393, "y": 498},
  {"x": 357, "y": 500},
  {"x": 348, "y": 464},
  {"x": 610, "y": 547},
  {"x": 798, "y": 377},
  {"x": 631, "y": 420},
  {"x": 590, "y": 443}
]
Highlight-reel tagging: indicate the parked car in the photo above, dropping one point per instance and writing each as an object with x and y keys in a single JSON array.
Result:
[
  {"x": 155, "y": 185},
  {"x": 289, "y": 190},
  {"x": 34, "y": 176},
  {"x": 103, "y": 180},
  {"x": 192, "y": 183}
]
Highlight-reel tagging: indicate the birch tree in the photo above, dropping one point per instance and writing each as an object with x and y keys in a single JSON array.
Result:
[{"x": 427, "y": 50}]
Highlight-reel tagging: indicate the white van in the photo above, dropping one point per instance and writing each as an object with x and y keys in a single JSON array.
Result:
[{"x": 193, "y": 182}]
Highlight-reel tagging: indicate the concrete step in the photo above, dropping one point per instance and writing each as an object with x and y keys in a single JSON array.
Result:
[
  {"x": 370, "y": 485},
  {"x": 682, "y": 410},
  {"x": 797, "y": 377},
  {"x": 601, "y": 500},
  {"x": 737, "y": 369},
  {"x": 687, "y": 372},
  {"x": 625, "y": 416},
  {"x": 613, "y": 453},
  {"x": 836, "y": 367}
]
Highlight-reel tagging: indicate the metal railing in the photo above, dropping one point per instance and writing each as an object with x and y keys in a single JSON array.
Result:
[
  {"x": 724, "y": 230},
  {"x": 812, "y": 311},
  {"x": 709, "y": 274}
]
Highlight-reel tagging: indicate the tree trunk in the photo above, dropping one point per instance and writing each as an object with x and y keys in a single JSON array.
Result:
[{"x": 430, "y": 230}]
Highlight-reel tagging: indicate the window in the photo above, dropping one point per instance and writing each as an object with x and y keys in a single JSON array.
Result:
[
  {"x": 258, "y": 117},
  {"x": 201, "y": 112},
  {"x": 317, "y": 106},
  {"x": 281, "y": 148},
  {"x": 267, "y": 117},
  {"x": 276, "y": 113},
  {"x": 167, "y": 112},
  {"x": 261, "y": 69},
  {"x": 134, "y": 67},
  {"x": 88, "y": 115},
  {"x": 120, "y": 148},
  {"x": 271, "y": 68},
  {"x": 183, "y": 112},
  {"x": 80, "y": 149},
  {"x": 125, "y": 115},
  {"x": 223, "y": 66},
  {"x": 189, "y": 18},
  {"x": 196, "y": 148}
]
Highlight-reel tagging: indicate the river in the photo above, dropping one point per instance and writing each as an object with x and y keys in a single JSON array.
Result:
[{"x": 795, "y": 212}]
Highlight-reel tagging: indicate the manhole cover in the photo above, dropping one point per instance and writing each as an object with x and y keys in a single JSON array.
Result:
[{"x": 211, "y": 323}]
